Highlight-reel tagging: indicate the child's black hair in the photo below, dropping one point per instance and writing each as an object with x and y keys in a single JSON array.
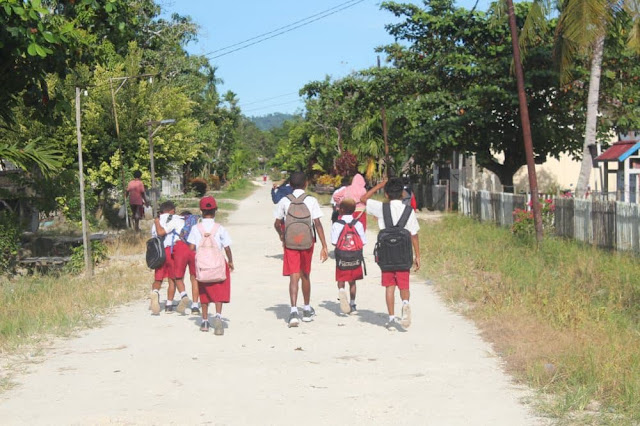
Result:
[
  {"x": 298, "y": 180},
  {"x": 185, "y": 213},
  {"x": 347, "y": 206},
  {"x": 209, "y": 212},
  {"x": 393, "y": 188},
  {"x": 137, "y": 174},
  {"x": 167, "y": 206}
]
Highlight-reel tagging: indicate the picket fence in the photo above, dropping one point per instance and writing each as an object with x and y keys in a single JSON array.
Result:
[{"x": 606, "y": 224}]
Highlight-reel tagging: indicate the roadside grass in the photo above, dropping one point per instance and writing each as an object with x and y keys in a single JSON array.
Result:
[{"x": 565, "y": 317}]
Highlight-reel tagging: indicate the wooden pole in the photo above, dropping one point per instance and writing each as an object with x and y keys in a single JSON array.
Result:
[
  {"x": 526, "y": 127},
  {"x": 124, "y": 186},
  {"x": 383, "y": 115},
  {"x": 154, "y": 197},
  {"x": 88, "y": 263}
]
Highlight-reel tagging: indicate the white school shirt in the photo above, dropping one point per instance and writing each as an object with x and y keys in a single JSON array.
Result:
[
  {"x": 311, "y": 202},
  {"x": 176, "y": 224},
  {"x": 221, "y": 236},
  {"x": 397, "y": 207},
  {"x": 336, "y": 229}
]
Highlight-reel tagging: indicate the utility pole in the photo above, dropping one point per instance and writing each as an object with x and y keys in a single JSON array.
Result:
[
  {"x": 88, "y": 262},
  {"x": 124, "y": 188},
  {"x": 383, "y": 115},
  {"x": 526, "y": 127},
  {"x": 152, "y": 132},
  {"x": 115, "y": 116}
]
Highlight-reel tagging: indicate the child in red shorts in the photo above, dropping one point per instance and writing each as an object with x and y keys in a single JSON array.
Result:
[
  {"x": 218, "y": 292},
  {"x": 347, "y": 303},
  {"x": 391, "y": 279},
  {"x": 297, "y": 261},
  {"x": 168, "y": 225}
]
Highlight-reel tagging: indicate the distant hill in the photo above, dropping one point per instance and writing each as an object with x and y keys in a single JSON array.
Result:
[{"x": 271, "y": 121}]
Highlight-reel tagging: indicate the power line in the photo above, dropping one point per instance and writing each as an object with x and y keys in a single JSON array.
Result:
[
  {"x": 324, "y": 15},
  {"x": 277, "y": 29},
  {"x": 271, "y": 106},
  {"x": 267, "y": 99}
]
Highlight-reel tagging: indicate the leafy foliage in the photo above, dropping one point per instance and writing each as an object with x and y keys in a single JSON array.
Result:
[
  {"x": 99, "y": 253},
  {"x": 9, "y": 240}
]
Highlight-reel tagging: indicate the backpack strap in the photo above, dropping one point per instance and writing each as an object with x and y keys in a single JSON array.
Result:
[
  {"x": 386, "y": 215},
  {"x": 388, "y": 221},
  {"x": 405, "y": 216}
]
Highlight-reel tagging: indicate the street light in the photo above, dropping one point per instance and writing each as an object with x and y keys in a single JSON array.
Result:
[{"x": 152, "y": 132}]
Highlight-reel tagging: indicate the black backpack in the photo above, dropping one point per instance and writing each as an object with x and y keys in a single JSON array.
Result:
[
  {"x": 394, "y": 250},
  {"x": 155, "y": 255},
  {"x": 155, "y": 252}
]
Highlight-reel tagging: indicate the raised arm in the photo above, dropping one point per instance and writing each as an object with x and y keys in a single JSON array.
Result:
[{"x": 372, "y": 191}]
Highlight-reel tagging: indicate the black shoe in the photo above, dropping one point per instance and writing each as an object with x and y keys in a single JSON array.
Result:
[
  {"x": 204, "y": 326},
  {"x": 169, "y": 309},
  {"x": 307, "y": 316},
  {"x": 195, "y": 311},
  {"x": 294, "y": 319}
]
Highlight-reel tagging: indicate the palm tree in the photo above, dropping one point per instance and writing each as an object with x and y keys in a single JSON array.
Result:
[
  {"x": 582, "y": 28},
  {"x": 47, "y": 159}
]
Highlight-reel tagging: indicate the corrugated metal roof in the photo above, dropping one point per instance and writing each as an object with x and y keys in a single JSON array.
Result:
[{"x": 619, "y": 151}]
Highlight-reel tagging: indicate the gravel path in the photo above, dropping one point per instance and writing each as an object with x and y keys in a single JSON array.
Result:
[{"x": 140, "y": 369}]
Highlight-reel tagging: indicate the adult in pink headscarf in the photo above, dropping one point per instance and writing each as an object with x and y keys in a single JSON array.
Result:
[{"x": 355, "y": 191}]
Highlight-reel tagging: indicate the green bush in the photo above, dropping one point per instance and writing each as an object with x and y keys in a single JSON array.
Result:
[
  {"x": 99, "y": 252},
  {"x": 9, "y": 240}
]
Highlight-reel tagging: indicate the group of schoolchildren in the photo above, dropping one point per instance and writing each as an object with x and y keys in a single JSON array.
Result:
[
  {"x": 397, "y": 248},
  {"x": 194, "y": 241},
  {"x": 197, "y": 242}
]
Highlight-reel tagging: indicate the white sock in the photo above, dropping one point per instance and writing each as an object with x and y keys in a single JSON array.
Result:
[
  {"x": 405, "y": 302},
  {"x": 156, "y": 291},
  {"x": 169, "y": 302},
  {"x": 183, "y": 294},
  {"x": 352, "y": 303},
  {"x": 294, "y": 309},
  {"x": 217, "y": 315},
  {"x": 194, "y": 305},
  {"x": 392, "y": 317},
  {"x": 307, "y": 307}
]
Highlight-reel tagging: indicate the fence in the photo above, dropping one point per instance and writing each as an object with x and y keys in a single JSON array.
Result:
[{"x": 606, "y": 224}]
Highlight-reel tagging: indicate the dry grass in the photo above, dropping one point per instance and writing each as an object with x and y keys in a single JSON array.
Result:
[{"x": 565, "y": 317}]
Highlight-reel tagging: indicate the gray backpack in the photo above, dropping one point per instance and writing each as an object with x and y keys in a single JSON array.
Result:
[{"x": 298, "y": 226}]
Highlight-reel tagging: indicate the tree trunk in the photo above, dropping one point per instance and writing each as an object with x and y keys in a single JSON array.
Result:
[{"x": 592, "y": 118}]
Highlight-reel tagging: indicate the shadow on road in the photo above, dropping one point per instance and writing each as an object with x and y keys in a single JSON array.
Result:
[
  {"x": 363, "y": 315},
  {"x": 282, "y": 311},
  {"x": 275, "y": 256}
]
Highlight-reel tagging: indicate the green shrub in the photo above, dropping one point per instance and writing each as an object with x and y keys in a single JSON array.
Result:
[
  {"x": 99, "y": 252},
  {"x": 9, "y": 240}
]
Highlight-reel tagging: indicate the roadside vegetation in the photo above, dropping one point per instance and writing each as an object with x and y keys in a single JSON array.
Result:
[{"x": 565, "y": 317}]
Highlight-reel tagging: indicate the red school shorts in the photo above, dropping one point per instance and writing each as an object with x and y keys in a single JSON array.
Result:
[
  {"x": 216, "y": 292},
  {"x": 296, "y": 261},
  {"x": 397, "y": 278},
  {"x": 350, "y": 275},
  {"x": 167, "y": 270},
  {"x": 183, "y": 256}
]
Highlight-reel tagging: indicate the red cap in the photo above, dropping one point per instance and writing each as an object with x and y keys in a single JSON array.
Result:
[{"x": 208, "y": 203}]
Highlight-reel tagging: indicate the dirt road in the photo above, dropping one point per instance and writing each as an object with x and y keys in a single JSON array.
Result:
[{"x": 140, "y": 369}]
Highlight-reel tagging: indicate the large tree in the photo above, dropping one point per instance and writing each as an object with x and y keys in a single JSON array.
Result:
[{"x": 467, "y": 99}]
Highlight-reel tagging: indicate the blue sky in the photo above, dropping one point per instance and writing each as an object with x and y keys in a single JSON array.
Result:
[{"x": 266, "y": 77}]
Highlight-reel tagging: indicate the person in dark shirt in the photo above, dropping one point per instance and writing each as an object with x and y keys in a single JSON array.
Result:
[{"x": 279, "y": 192}]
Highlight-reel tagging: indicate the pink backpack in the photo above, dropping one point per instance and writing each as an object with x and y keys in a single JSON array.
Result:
[{"x": 211, "y": 266}]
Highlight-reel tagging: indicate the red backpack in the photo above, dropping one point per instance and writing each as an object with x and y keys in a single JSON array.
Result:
[{"x": 348, "y": 249}]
